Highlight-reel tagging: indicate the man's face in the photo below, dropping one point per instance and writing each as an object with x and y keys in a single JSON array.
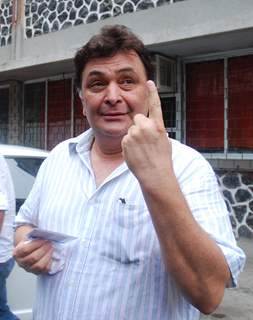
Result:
[{"x": 113, "y": 91}]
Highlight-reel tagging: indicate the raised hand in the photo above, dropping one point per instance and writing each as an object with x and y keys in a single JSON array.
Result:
[{"x": 146, "y": 147}]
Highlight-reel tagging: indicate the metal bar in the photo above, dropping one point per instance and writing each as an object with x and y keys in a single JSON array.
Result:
[
  {"x": 226, "y": 107},
  {"x": 72, "y": 109},
  {"x": 46, "y": 114}
]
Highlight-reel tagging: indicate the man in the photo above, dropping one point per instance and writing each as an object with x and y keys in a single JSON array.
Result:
[
  {"x": 7, "y": 215},
  {"x": 154, "y": 238}
]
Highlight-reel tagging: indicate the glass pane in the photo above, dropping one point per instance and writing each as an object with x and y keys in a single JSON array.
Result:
[
  {"x": 240, "y": 105},
  {"x": 205, "y": 105},
  {"x": 23, "y": 171},
  {"x": 172, "y": 134},
  {"x": 169, "y": 111},
  {"x": 34, "y": 115},
  {"x": 59, "y": 111},
  {"x": 4, "y": 106}
]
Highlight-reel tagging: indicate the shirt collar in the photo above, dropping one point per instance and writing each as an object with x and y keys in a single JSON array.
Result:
[{"x": 81, "y": 143}]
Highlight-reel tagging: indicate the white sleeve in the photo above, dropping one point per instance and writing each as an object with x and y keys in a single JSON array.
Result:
[{"x": 28, "y": 213}]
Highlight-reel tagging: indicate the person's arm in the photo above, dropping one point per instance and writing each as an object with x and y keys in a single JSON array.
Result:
[
  {"x": 34, "y": 256},
  {"x": 190, "y": 255}
]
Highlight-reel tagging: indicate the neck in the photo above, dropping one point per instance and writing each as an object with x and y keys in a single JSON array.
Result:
[
  {"x": 108, "y": 148},
  {"x": 104, "y": 159}
]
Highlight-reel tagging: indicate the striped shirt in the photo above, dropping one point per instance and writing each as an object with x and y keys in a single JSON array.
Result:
[{"x": 115, "y": 269}]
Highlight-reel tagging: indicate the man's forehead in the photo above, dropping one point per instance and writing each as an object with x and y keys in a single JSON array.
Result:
[{"x": 122, "y": 61}]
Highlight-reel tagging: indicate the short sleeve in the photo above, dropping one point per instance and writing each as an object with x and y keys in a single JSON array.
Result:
[{"x": 29, "y": 211}]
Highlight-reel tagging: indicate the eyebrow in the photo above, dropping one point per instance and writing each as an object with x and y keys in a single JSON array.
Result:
[{"x": 100, "y": 73}]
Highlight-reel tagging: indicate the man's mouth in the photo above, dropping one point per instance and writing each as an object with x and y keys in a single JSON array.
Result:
[{"x": 114, "y": 114}]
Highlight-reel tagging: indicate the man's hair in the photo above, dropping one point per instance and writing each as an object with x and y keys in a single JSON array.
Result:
[{"x": 107, "y": 43}]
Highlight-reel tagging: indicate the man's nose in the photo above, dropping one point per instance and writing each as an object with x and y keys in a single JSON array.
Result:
[{"x": 113, "y": 94}]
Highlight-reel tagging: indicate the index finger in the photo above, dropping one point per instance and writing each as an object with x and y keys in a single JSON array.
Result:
[{"x": 155, "y": 110}]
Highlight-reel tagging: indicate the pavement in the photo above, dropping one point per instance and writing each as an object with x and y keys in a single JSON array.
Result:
[{"x": 237, "y": 303}]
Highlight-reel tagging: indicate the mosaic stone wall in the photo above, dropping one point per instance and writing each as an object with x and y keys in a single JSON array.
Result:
[
  {"x": 43, "y": 16},
  {"x": 5, "y": 22},
  {"x": 237, "y": 189}
]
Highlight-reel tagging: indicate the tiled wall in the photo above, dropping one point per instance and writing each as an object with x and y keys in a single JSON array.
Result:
[
  {"x": 5, "y": 22},
  {"x": 43, "y": 16},
  {"x": 237, "y": 189},
  {"x": 51, "y": 15}
]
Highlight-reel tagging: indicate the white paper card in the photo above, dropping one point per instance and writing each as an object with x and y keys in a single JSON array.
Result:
[
  {"x": 49, "y": 235},
  {"x": 61, "y": 244}
]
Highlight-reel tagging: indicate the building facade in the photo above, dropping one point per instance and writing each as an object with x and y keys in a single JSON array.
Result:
[{"x": 203, "y": 57}]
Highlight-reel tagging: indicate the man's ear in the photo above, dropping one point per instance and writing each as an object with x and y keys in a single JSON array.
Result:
[
  {"x": 84, "y": 110},
  {"x": 79, "y": 91}
]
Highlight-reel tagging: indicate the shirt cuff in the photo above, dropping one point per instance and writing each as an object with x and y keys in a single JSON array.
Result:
[{"x": 235, "y": 258}]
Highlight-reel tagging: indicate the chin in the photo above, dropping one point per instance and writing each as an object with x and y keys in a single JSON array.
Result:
[{"x": 115, "y": 132}]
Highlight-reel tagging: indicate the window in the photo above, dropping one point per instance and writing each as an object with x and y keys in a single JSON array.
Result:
[
  {"x": 219, "y": 108},
  {"x": 48, "y": 115}
]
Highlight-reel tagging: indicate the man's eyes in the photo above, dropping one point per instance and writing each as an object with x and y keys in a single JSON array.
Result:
[
  {"x": 124, "y": 83},
  {"x": 97, "y": 84},
  {"x": 128, "y": 82}
]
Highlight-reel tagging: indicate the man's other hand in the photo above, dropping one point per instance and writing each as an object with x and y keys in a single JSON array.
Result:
[{"x": 34, "y": 256}]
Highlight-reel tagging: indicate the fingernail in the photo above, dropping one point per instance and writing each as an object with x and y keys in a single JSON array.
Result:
[{"x": 151, "y": 83}]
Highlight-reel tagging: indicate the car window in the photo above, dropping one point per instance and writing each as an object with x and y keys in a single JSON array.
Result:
[
  {"x": 23, "y": 171},
  {"x": 29, "y": 165}
]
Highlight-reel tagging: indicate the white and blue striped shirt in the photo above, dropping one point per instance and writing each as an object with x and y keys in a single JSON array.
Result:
[{"x": 115, "y": 270}]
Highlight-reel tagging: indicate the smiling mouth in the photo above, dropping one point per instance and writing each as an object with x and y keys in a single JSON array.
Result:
[{"x": 114, "y": 114}]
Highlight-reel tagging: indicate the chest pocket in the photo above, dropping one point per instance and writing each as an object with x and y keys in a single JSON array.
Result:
[
  {"x": 130, "y": 216},
  {"x": 131, "y": 236}
]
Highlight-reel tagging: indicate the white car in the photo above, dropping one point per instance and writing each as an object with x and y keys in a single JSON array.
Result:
[{"x": 24, "y": 164}]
